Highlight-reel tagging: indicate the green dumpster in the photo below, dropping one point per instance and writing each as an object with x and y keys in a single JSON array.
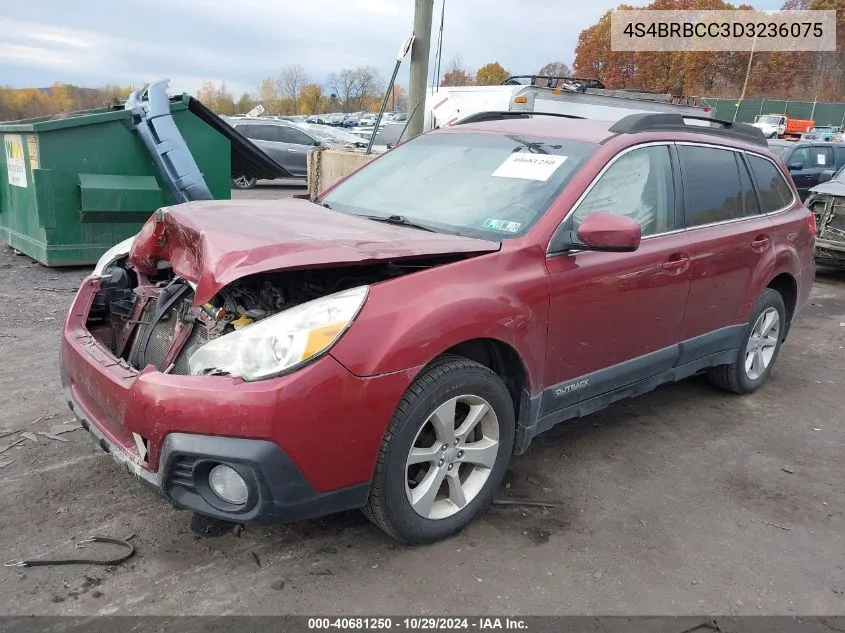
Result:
[{"x": 74, "y": 185}]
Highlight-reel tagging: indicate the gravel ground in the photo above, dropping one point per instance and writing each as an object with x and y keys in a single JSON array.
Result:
[{"x": 685, "y": 501}]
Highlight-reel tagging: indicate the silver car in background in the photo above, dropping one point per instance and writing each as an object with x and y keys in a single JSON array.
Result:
[{"x": 288, "y": 143}]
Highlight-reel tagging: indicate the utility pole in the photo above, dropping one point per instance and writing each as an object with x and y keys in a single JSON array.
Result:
[{"x": 423, "y": 11}]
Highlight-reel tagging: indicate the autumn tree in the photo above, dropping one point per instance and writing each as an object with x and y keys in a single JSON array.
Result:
[
  {"x": 244, "y": 104},
  {"x": 492, "y": 74},
  {"x": 457, "y": 74},
  {"x": 270, "y": 95},
  {"x": 290, "y": 82},
  {"x": 311, "y": 99},
  {"x": 555, "y": 69},
  {"x": 398, "y": 100},
  {"x": 792, "y": 75}
]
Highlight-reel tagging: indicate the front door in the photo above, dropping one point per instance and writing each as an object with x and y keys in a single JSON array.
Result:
[
  {"x": 615, "y": 318},
  {"x": 813, "y": 160}
]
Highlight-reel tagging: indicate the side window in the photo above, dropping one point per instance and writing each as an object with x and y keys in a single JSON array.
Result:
[
  {"x": 749, "y": 197},
  {"x": 265, "y": 132},
  {"x": 801, "y": 155},
  {"x": 291, "y": 135},
  {"x": 775, "y": 194},
  {"x": 639, "y": 185},
  {"x": 821, "y": 157},
  {"x": 712, "y": 189},
  {"x": 840, "y": 156}
]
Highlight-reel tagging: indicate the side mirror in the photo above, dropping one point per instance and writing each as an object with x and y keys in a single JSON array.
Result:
[
  {"x": 796, "y": 166},
  {"x": 600, "y": 232},
  {"x": 826, "y": 175}
]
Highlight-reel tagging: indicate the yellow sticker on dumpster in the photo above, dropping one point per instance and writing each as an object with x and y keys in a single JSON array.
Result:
[
  {"x": 32, "y": 147},
  {"x": 15, "y": 160}
]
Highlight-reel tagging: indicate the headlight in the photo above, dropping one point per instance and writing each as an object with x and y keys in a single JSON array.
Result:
[
  {"x": 115, "y": 252},
  {"x": 281, "y": 342}
]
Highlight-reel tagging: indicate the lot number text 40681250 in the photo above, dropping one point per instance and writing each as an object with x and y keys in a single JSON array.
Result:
[{"x": 422, "y": 623}]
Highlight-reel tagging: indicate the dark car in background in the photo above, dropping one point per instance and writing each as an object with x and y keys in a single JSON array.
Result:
[
  {"x": 288, "y": 143},
  {"x": 808, "y": 160}
]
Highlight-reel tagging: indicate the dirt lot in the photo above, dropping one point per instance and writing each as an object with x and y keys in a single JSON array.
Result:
[{"x": 685, "y": 501}]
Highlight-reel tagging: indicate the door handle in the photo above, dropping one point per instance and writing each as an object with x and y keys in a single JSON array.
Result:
[
  {"x": 676, "y": 263},
  {"x": 760, "y": 243},
  {"x": 292, "y": 151}
]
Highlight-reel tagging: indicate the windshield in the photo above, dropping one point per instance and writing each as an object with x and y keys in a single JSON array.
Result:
[
  {"x": 493, "y": 186},
  {"x": 768, "y": 118}
]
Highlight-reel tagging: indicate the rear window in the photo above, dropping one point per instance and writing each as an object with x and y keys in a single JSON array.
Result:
[
  {"x": 477, "y": 184},
  {"x": 775, "y": 194},
  {"x": 713, "y": 192}
]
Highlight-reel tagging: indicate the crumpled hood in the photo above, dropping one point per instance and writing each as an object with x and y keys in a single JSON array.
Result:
[
  {"x": 829, "y": 188},
  {"x": 213, "y": 243}
]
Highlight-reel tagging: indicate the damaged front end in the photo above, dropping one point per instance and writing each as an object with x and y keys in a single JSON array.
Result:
[
  {"x": 828, "y": 208},
  {"x": 250, "y": 291},
  {"x": 153, "y": 320}
]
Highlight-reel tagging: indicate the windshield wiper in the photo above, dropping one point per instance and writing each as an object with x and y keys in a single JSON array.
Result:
[{"x": 400, "y": 220}]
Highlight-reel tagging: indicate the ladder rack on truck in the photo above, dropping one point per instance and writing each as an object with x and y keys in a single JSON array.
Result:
[{"x": 448, "y": 105}]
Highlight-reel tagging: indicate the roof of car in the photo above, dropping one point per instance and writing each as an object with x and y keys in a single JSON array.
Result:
[{"x": 588, "y": 130}]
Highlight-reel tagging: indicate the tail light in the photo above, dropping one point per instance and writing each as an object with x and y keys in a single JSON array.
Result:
[{"x": 811, "y": 223}]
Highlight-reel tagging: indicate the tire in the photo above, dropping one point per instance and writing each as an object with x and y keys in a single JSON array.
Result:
[
  {"x": 420, "y": 420},
  {"x": 757, "y": 354},
  {"x": 773, "y": 135},
  {"x": 244, "y": 182}
]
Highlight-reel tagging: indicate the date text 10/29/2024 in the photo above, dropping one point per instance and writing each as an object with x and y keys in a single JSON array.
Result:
[{"x": 422, "y": 623}]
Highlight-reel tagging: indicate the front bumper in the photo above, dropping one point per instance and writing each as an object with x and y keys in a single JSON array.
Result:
[
  {"x": 278, "y": 492},
  {"x": 307, "y": 442},
  {"x": 830, "y": 253}
]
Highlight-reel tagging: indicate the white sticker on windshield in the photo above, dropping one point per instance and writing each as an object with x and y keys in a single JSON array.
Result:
[
  {"x": 820, "y": 158},
  {"x": 529, "y": 166}
]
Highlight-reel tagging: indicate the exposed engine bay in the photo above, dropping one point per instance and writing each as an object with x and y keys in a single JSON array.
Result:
[{"x": 153, "y": 321}]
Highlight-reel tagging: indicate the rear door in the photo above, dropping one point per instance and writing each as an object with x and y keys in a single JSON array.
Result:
[
  {"x": 730, "y": 240},
  {"x": 297, "y": 144},
  {"x": 268, "y": 139}
]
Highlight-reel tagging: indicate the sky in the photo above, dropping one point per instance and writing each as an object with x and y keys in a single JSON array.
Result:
[{"x": 97, "y": 42}]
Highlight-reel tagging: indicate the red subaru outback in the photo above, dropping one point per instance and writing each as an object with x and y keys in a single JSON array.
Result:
[{"x": 391, "y": 345}]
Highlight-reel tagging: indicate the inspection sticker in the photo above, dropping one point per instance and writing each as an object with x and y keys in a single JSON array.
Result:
[
  {"x": 529, "y": 166},
  {"x": 502, "y": 225},
  {"x": 15, "y": 161}
]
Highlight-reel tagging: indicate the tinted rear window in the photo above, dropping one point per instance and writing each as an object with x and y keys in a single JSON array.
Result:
[
  {"x": 775, "y": 194},
  {"x": 712, "y": 189}
]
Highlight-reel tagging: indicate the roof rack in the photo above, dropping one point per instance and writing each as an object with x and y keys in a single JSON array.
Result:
[
  {"x": 552, "y": 81},
  {"x": 503, "y": 115},
  {"x": 665, "y": 121}
]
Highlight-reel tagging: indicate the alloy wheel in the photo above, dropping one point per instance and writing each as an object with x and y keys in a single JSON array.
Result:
[
  {"x": 452, "y": 456},
  {"x": 762, "y": 343}
]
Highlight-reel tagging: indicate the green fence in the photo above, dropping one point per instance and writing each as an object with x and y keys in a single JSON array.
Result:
[{"x": 821, "y": 113}]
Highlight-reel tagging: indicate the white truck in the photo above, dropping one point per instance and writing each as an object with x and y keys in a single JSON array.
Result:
[{"x": 447, "y": 105}]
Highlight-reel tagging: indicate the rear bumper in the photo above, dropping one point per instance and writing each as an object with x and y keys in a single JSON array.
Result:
[{"x": 306, "y": 442}]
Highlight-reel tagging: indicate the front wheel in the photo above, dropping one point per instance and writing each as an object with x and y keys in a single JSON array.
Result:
[
  {"x": 759, "y": 348},
  {"x": 445, "y": 453},
  {"x": 244, "y": 182}
]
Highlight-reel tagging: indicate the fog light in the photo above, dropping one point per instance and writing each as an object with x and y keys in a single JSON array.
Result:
[{"x": 228, "y": 485}]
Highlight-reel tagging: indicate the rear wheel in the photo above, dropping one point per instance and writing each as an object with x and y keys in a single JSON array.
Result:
[
  {"x": 444, "y": 454},
  {"x": 759, "y": 348},
  {"x": 244, "y": 182}
]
